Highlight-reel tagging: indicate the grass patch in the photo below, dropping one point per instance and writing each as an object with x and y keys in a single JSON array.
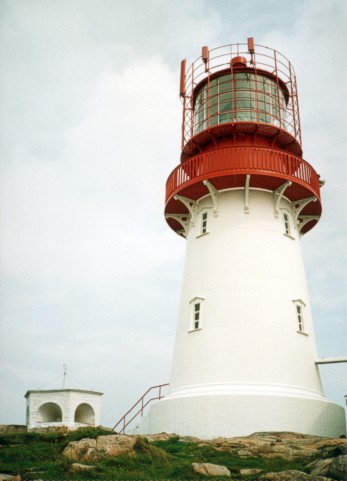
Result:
[
  {"x": 39, "y": 456},
  {"x": 28, "y": 453}
]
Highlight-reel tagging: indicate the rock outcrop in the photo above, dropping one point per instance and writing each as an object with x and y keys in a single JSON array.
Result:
[
  {"x": 91, "y": 450},
  {"x": 291, "y": 475},
  {"x": 335, "y": 468},
  {"x": 322, "y": 459},
  {"x": 285, "y": 445}
]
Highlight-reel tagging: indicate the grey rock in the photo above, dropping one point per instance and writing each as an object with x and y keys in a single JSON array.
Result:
[
  {"x": 91, "y": 450},
  {"x": 158, "y": 437},
  {"x": 291, "y": 475},
  {"x": 319, "y": 467},
  {"x": 338, "y": 467},
  {"x": 76, "y": 467},
  {"x": 208, "y": 469},
  {"x": 250, "y": 472}
]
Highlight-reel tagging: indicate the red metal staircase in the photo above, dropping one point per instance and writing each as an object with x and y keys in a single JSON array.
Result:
[{"x": 139, "y": 407}]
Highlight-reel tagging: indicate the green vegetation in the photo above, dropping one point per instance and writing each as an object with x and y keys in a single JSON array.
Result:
[{"x": 39, "y": 456}]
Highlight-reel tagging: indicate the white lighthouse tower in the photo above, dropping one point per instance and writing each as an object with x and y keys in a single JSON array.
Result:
[{"x": 244, "y": 358}]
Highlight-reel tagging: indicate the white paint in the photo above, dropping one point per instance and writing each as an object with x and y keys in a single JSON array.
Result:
[
  {"x": 248, "y": 368},
  {"x": 67, "y": 401}
]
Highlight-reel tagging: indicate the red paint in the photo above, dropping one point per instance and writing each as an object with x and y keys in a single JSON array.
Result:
[
  {"x": 269, "y": 151},
  {"x": 227, "y": 168}
]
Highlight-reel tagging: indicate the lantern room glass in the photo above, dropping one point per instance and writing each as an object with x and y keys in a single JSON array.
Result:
[{"x": 240, "y": 97}]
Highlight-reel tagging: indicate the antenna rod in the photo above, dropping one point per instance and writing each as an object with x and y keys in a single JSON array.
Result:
[{"x": 65, "y": 367}]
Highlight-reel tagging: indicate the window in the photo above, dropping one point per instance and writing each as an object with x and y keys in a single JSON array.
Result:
[
  {"x": 286, "y": 223},
  {"x": 204, "y": 223},
  {"x": 300, "y": 318},
  {"x": 195, "y": 313},
  {"x": 299, "y": 307},
  {"x": 242, "y": 96}
]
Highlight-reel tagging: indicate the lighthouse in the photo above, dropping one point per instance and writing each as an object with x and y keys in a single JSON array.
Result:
[{"x": 242, "y": 196}]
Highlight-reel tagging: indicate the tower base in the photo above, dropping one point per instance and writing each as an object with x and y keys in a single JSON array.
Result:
[{"x": 220, "y": 415}]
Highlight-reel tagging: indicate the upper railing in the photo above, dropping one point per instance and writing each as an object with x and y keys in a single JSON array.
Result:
[
  {"x": 276, "y": 103},
  {"x": 243, "y": 160}
]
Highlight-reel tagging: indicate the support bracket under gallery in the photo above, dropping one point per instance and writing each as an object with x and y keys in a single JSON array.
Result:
[
  {"x": 190, "y": 204},
  {"x": 183, "y": 219},
  {"x": 214, "y": 195}
]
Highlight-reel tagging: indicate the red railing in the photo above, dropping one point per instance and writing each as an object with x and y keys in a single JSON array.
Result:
[
  {"x": 139, "y": 407},
  {"x": 241, "y": 160},
  {"x": 259, "y": 60}
]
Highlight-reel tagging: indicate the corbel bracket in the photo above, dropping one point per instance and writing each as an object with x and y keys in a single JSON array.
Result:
[
  {"x": 190, "y": 204},
  {"x": 248, "y": 177},
  {"x": 214, "y": 195},
  {"x": 278, "y": 194},
  {"x": 183, "y": 219},
  {"x": 304, "y": 219},
  {"x": 299, "y": 205},
  {"x": 182, "y": 233}
]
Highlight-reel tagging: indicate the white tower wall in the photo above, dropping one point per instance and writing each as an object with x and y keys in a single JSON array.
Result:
[{"x": 250, "y": 364}]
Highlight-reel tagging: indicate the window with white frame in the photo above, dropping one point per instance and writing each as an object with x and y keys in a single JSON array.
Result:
[
  {"x": 286, "y": 222},
  {"x": 195, "y": 313},
  {"x": 203, "y": 229},
  {"x": 299, "y": 311}
]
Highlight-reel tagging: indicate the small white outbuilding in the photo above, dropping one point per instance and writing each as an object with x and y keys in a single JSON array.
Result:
[{"x": 72, "y": 408}]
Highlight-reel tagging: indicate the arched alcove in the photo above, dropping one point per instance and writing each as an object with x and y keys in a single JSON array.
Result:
[
  {"x": 84, "y": 414},
  {"x": 50, "y": 413}
]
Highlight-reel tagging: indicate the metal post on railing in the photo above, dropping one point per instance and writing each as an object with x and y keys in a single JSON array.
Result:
[
  {"x": 279, "y": 113},
  {"x": 141, "y": 406}
]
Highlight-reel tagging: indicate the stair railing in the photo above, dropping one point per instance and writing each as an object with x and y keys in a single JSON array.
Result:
[{"x": 139, "y": 407}]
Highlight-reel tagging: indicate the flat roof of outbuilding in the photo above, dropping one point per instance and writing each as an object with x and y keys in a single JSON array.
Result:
[{"x": 62, "y": 390}]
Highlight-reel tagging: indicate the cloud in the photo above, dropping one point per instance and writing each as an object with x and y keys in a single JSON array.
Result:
[{"x": 89, "y": 131}]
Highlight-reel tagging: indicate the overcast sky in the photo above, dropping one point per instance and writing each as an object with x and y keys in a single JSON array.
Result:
[{"x": 90, "y": 123}]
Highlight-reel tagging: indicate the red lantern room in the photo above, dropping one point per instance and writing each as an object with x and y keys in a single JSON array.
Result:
[{"x": 241, "y": 129}]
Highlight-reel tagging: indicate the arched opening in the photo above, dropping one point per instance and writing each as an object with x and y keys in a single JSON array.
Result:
[
  {"x": 50, "y": 413},
  {"x": 84, "y": 414}
]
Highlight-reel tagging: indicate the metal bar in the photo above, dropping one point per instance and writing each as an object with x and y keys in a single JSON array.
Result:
[
  {"x": 192, "y": 105},
  {"x": 256, "y": 91},
  {"x": 183, "y": 79},
  {"x": 293, "y": 101},
  {"x": 143, "y": 405},
  {"x": 208, "y": 99},
  {"x": 331, "y": 360},
  {"x": 278, "y": 90},
  {"x": 297, "y": 110}
]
